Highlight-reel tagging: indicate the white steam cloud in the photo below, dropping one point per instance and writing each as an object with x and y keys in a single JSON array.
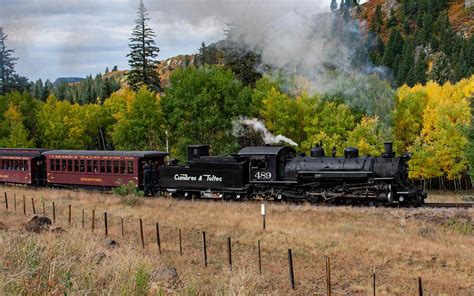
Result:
[{"x": 259, "y": 127}]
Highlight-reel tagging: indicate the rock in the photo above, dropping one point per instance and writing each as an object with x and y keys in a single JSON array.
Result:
[
  {"x": 99, "y": 257},
  {"x": 167, "y": 275},
  {"x": 3, "y": 227},
  {"x": 37, "y": 224},
  {"x": 111, "y": 243},
  {"x": 58, "y": 230}
]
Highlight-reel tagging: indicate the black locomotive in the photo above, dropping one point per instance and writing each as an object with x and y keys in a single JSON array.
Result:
[{"x": 278, "y": 173}]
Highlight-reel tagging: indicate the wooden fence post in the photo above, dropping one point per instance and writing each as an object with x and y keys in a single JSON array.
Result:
[
  {"x": 44, "y": 209},
  {"x": 83, "y": 222},
  {"x": 259, "y": 257},
  {"x": 33, "y": 205},
  {"x": 14, "y": 200},
  {"x": 54, "y": 213},
  {"x": 6, "y": 201},
  {"x": 24, "y": 205},
  {"x": 328, "y": 275},
  {"x": 420, "y": 287},
  {"x": 290, "y": 269},
  {"x": 141, "y": 233},
  {"x": 158, "y": 241},
  {"x": 180, "y": 243},
  {"x": 93, "y": 220},
  {"x": 373, "y": 283},
  {"x": 105, "y": 224},
  {"x": 69, "y": 214},
  {"x": 229, "y": 252},
  {"x": 204, "y": 248},
  {"x": 121, "y": 222}
]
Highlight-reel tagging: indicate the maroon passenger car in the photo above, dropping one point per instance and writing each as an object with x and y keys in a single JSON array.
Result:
[
  {"x": 22, "y": 166},
  {"x": 106, "y": 169}
]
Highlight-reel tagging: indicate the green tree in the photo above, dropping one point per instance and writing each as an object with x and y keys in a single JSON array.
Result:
[
  {"x": 367, "y": 136},
  {"x": 140, "y": 126},
  {"x": 143, "y": 53},
  {"x": 393, "y": 48},
  {"x": 18, "y": 135},
  {"x": 200, "y": 106},
  {"x": 9, "y": 79},
  {"x": 441, "y": 71},
  {"x": 329, "y": 122}
]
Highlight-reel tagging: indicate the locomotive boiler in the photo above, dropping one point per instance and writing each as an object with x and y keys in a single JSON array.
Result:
[{"x": 278, "y": 173}]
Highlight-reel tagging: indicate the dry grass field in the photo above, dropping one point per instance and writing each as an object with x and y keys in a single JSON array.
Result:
[{"x": 400, "y": 244}]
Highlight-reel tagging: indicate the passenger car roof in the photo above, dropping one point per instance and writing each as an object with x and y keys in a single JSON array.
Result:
[{"x": 107, "y": 153}]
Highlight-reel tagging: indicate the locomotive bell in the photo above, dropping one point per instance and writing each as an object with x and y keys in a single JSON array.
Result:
[{"x": 351, "y": 152}]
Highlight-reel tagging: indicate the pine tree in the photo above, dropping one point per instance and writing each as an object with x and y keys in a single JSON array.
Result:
[
  {"x": 333, "y": 5},
  {"x": 7, "y": 65},
  {"x": 143, "y": 53},
  {"x": 442, "y": 71},
  {"x": 420, "y": 69},
  {"x": 394, "y": 47}
]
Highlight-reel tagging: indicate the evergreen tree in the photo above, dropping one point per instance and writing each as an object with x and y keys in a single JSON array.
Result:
[
  {"x": 377, "y": 20},
  {"x": 442, "y": 71},
  {"x": 333, "y": 5},
  {"x": 143, "y": 53},
  {"x": 7, "y": 65},
  {"x": 393, "y": 48},
  {"x": 420, "y": 69},
  {"x": 407, "y": 62}
]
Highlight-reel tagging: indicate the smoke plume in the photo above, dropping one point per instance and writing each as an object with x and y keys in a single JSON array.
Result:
[{"x": 259, "y": 127}]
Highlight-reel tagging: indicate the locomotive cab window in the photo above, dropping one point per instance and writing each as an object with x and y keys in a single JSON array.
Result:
[{"x": 258, "y": 163}]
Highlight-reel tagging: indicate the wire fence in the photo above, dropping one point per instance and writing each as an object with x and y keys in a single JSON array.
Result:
[{"x": 179, "y": 241}]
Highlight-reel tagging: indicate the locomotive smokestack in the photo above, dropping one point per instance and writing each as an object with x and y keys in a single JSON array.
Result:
[{"x": 388, "y": 149}]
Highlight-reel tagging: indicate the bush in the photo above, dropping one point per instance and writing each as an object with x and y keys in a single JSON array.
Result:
[
  {"x": 129, "y": 193},
  {"x": 129, "y": 189}
]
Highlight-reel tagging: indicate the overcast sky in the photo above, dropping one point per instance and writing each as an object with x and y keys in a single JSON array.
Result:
[{"x": 56, "y": 38}]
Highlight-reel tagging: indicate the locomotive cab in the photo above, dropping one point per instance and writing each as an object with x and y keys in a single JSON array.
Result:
[{"x": 267, "y": 163}]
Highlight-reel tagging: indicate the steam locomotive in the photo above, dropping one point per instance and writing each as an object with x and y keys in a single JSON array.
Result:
[{"x": 278, "y": 173}]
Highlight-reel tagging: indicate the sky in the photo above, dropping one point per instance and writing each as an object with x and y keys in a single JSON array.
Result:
[{"x": 80, "y": 37}]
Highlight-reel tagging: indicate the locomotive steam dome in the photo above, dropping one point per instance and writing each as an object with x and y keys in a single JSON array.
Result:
[
  {"x": 317, "y": 152},
  {"x": 351, "y": 152}
]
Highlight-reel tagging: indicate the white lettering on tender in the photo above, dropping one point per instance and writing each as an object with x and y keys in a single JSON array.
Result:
[{"x": 206, "y": 178}]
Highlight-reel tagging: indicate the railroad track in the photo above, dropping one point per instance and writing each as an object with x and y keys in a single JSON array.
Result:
[{"x": 448, "y": 205}]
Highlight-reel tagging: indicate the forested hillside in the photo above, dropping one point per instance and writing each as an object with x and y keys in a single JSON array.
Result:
[{"x": 421, "y": 40}]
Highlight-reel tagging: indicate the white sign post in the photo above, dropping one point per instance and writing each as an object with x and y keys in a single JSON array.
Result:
[{"x": 263, "y": 210}]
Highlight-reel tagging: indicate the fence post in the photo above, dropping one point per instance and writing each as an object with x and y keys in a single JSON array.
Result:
[
  {"x": 6, "y": 201},
  {"x": 290, "y": 269},
  {"x": 83, "y": 218},
  {"x": 69, "y": 214},
  {"x": 328, "y": 275},
  {"x": 180, "y": 244},
  {"x": 204, "y": 248},
  {"x": 33, "y": 205},
  {"x": 420, "y": 287},
  {"x": 105, "y": 224},
  {"x": 14, "y": 200},
  {"x": 44, "y": 209},
  {"x": 54, "y": 213},
  {"x": 373, "y": 282},
  {"x": 141, "y": 233},
  {"x": 121, "y": 222},
  {"x": 93, "y": 220},
  {"x": 24, "y": 205},
  {"x": 158, "y": 242},
  {"x": 259, "y": 257},
  {"x": 263, "y": 212},
  {"x": 229, "y": 252}
]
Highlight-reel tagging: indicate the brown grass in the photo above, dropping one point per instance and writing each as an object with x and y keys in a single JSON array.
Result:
[{"x": 401, "y": 244}]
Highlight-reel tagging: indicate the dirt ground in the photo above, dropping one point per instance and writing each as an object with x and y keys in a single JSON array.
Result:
[{"x": 399, "y": 244}]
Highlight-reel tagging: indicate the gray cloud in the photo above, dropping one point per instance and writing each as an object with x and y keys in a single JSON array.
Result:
[{"x": 74, "y": 38}]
